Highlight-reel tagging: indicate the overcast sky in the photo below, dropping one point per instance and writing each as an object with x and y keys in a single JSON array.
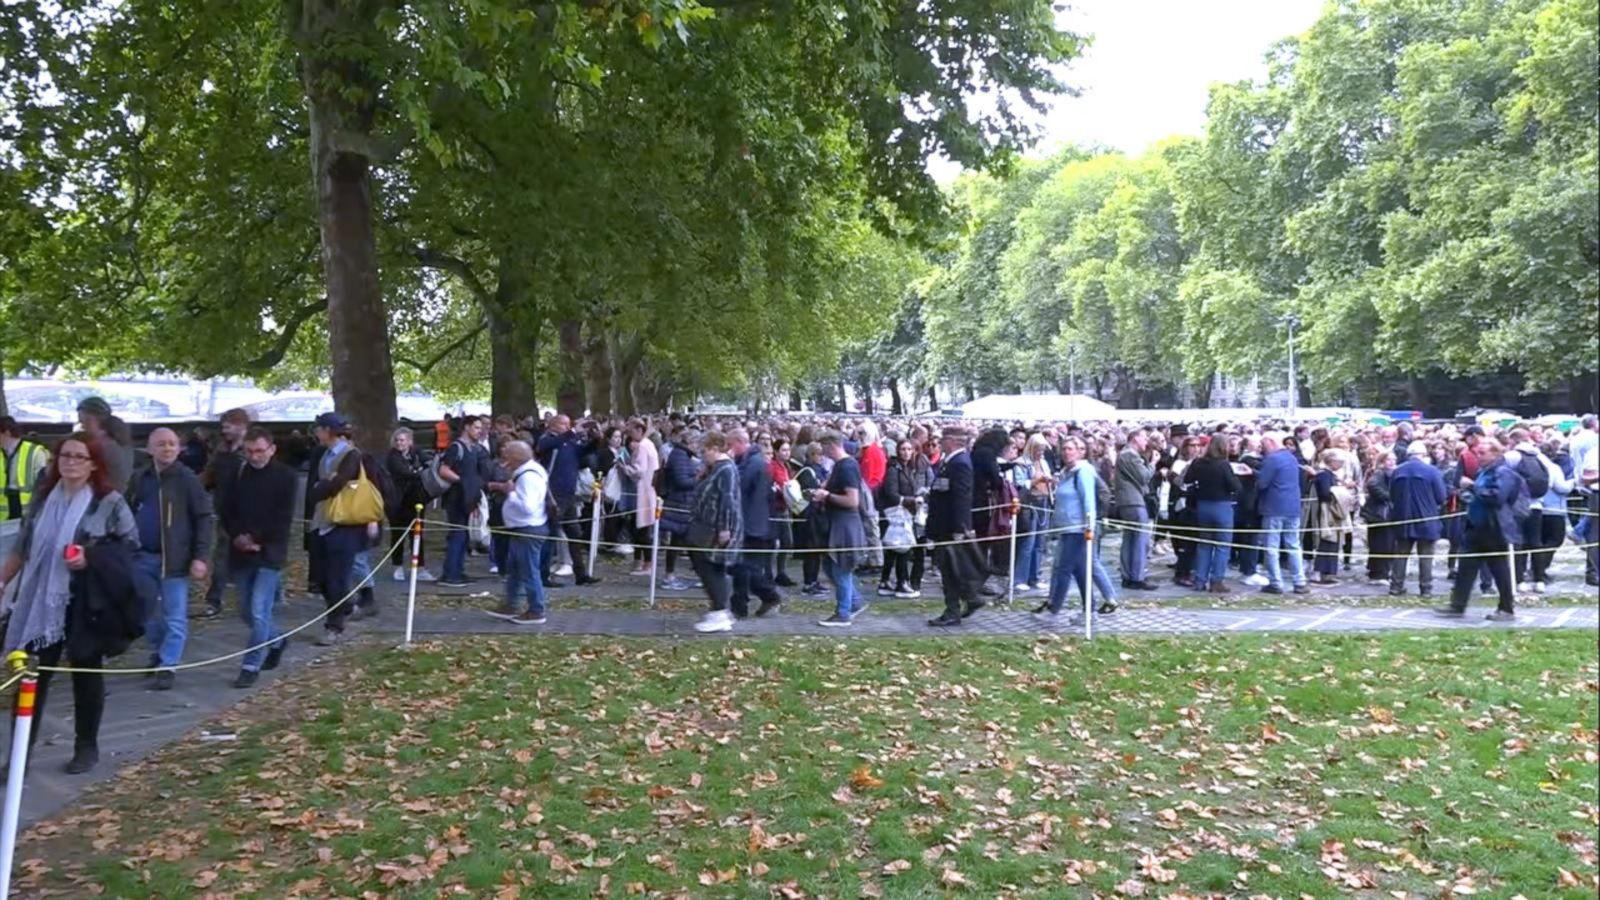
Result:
[{"x": 1146, "y": 74}]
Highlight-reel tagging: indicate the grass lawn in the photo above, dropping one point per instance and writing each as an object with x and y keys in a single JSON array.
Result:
[{"x": 1405, "y": 765}]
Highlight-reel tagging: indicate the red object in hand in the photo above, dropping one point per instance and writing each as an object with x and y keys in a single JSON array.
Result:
[{"x": 73, "y": 553}]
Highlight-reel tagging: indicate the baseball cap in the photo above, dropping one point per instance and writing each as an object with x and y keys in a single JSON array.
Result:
[{"x": 331, "y": 420}]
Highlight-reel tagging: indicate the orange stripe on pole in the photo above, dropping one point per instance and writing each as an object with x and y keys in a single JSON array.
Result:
[{"x": 25, "y": 697}]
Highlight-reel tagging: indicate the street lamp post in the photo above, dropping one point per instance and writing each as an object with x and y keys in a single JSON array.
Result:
[{"x": 1294, "y": 390}]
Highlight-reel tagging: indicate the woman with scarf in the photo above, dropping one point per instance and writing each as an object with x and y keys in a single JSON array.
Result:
[
  {"x": 43, "y": 589},
  {"x": 716, "y": 530}
]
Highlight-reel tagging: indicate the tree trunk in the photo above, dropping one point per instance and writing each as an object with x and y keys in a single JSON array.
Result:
[
  {"x": 933, "y": 397},
  {"x": 599, "y": 372},
  {"x": 794, "y": 396},
  {"x": 899, "y": 407},
  {"x": 626, "y": 355},
  {"x": 341, "y": 131},
  {"x": 4, "y": 410},
  {"x": 972, "y": 393},
  {"x": 844, "y": 399},
  {"x": 569, "y": 391},
  {"x": 1202, "y": 391}
]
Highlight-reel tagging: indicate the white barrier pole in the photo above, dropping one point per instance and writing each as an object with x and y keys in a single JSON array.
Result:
[
  {"x": 21, "y": 729},
  {"x": 1088, "y": 584},
  {"x": 1011, "y": 579},
  {"x": 655, "y": 553},
  {"x": 594, "y": 529},
  {"x": 416, "y": 556}
]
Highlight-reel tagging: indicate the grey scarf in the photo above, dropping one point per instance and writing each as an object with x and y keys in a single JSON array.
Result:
[{"x": 39, "y": 595}]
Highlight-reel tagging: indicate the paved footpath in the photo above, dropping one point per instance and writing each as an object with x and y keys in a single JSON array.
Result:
[{"x": 139, "y": 721}]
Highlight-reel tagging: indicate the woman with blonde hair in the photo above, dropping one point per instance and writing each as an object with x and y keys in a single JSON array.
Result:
[{"x": 1035, "y": 485}]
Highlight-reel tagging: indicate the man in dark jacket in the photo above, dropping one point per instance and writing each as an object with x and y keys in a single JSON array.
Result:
[
  {"x": 176, "y": 526},
  {"x": 221, "y": 469},
  {"x": 752, "y": 574},
  {"x": 256, "y": 514},
  {"x": 559, "y": 451},
  {"x": 1278, "y": 500},
  {"x": 1496, "y": 507},
  {"x": 950, "y": 503},
  {"x": 1417, "y": 494}
]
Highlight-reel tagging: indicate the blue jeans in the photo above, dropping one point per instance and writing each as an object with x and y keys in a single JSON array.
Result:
[
  {"x": 1069, "y": 568},
  {"x": 455, "y": 555},
  {"x": 1283, "y": 531},
  {"x": 1135, "y": 543},
  {"x": 1030, "y": 556},
  {"x": 258, "y": 590},
  {"x": 522, "y": 568},
  {"x": 1211, "y": 560},
  {"x": 847, "y": 602},
  {"x": 168, "y": 626}
]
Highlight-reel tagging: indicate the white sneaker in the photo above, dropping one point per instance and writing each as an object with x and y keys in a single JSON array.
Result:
[
  {"x": 1525, "y": 588},
  {"x": 561, "y": 571},
  {"x": 721, "y": 620},
  {"x": 1538, "y": 587},
  {"x": 399, "y": 574},
  {"x": 425, "y": 575},
  {"x": 494, "y": 570},
  {"x": 1257, "y": 580}
]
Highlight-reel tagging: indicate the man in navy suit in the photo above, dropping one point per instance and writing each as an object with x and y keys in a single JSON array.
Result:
[{"x": 961, "y": 570}]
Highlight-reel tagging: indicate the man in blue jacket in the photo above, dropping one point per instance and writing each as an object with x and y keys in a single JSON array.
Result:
[
  {"x": 558, "y": 451},
  {"x": 1417, "y": 495},
  {"x": 1278, "y": 501},
  {"x": 1497, "y": 504},
  {"x": 752, "y": 574}
]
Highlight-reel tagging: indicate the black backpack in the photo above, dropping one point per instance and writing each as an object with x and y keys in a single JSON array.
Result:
[{"x": 1533, "y": 472}]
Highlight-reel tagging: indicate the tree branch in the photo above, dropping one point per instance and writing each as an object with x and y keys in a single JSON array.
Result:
[
  {"x": 280, "y": 347},
  {"x": 428, "y": 258},
  {"x": 424, "y": 368}
]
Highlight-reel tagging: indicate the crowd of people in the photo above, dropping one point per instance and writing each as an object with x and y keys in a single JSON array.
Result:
[{"x": 749, "y": 504}]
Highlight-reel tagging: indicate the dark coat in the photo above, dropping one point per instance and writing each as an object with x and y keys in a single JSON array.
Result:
[
  {"x": 187, "y": 522},
  {"x": 110, "y": 601},
  {"x": 950, "y": 499},
  {"x": 1504, "y": 497},
  {"x": 1417, "y": 491},
  {"x": 678, "y": 477},
  {"x": 755, "y": 494}
]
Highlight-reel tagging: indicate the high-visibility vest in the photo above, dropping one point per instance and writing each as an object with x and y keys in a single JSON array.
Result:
[{"x": 22, "y": 476}]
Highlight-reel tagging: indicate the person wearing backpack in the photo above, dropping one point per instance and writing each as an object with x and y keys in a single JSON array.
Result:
[
  {"x": 1497, "y": 505},
  {"x": 1529, "y": 463},
  {"x": 1552, "y": 514},
  {"x": 462, "y": 468}
]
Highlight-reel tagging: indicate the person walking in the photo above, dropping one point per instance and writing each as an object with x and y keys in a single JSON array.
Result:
[
  {"x": 222, "y": 467},
  {"x": 527, "y": 518},
  {"x": 950, "y": 528},
  {"x": 752, "y": 572},
  {"x": 1497, "y": 503},
  {"x": 715, "y": 530},
  {"x": 1417, "y": 497},
  {"x": 256, "y": 514},
  {"x": 176, "y": 526},
  {"x": 75, "y": 550},
  {"x": 341, "y": 532}
]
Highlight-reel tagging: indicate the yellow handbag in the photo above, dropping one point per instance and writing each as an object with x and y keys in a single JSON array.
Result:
[{"x": 357, "y": 503}]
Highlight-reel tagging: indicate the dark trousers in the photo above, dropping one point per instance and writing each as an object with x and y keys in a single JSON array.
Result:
[
  {"x": 1552, "y": 534},
  {"x": 1380, "y": 546},
  {"x": 805, "y": 540},
  {"x": 88, "y": 696},
  {"x": 1591, "y": 557},
  {"x": 751, "y": 575},
  {"x": 1490, "y": 553},
  {"x": 1397, "y": 567},
  {"x": 571, "y": 528},
  {"x": 961, "y": 572},
  {"x": 339, "y": 549},
  {"x": 401, "y": 534},
  {"x": 1528, "y": 545},
  {"x": 714, "y": 577},
  {"x": 220, "y": 575}
]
